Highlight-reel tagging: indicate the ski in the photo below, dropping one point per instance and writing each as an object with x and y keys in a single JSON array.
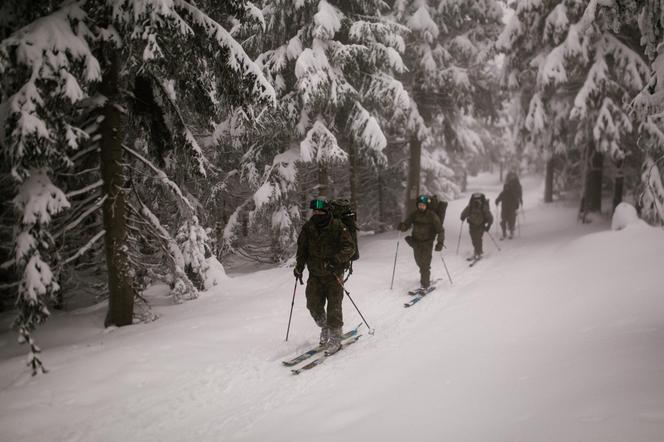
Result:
[
  {"x": 417, "y": 298},
  {"x": 473, "y": 262},
  {"x": 316, "y": 362},
  {"x": 314, "y": 351},
  {"x": 420, "y": 290}
]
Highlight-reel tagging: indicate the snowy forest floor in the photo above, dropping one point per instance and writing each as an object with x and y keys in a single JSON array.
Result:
[{"x": 559, "y": 336}]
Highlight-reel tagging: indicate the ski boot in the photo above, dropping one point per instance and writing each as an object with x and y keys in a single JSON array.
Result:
[
  {"x": 324, "y": 336},
  {"x": 334, "y": 342}
]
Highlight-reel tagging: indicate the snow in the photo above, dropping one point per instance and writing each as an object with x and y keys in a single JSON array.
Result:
[
  {"x": 625, "y": 216},
  {"x": 38, "y": 199},
  {"x": 557, "y": 337}
]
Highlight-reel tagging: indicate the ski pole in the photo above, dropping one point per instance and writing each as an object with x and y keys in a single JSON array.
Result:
[
  {"x": 291, "y": 309},
  {"x": 459, "y": 242},
  {"x": 448, "y": 272},
  {"x": 394, "y": 268},
  {"x": 371, "y": 330},
  {"x": 494, "y": 241}
]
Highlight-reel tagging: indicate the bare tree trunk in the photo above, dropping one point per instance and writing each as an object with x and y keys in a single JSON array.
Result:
[
  {"x": 323, "y": 180},
  {"x": 618, "y": 184},
  {"x": 548, "y": 181},
  {"x": 593, "y": 196},
  {"x": 413, "y": 187},
  {"x": 352, "y": 158},
  {"x": 381, "y": 209},
  {"x": 121, "y": 291}
]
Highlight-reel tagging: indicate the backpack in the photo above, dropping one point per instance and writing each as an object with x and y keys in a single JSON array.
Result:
[
  {"x": 477, "y": 207},
  {"x": 439, "y": 207},
  {"x": 342, "y": 209}
]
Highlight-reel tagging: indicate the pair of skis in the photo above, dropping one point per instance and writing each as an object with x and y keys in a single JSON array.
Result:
[
  {"x": 420, "y": 293},
  {"x": 348, "y": 338},
  {"x": 473, "y": 260}
]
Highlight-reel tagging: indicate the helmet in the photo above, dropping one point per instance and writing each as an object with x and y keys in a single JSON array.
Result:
[
  {"x": 319, "y": 204},
  {"x": 423, "y": 199}
]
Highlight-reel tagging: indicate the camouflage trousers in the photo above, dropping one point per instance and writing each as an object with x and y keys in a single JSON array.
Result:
[
  {"x": 507, "y": 220},
  {"x": 422, "y": 250},
  {"x": 476, "y": 233},
  {"x": 321, "y": 290}
]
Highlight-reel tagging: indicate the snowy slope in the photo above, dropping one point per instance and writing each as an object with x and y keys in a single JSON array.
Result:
[{"x": 557, "y": 337}]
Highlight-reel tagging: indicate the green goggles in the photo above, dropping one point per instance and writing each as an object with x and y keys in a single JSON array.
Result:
[
  {"x": 423, "y": 199},
  {"x": 318, "y": 204}
]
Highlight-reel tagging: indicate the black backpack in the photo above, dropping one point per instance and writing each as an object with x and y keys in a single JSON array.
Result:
[
  {"x": 439, "y": 207},
  {"x": 342, "y": 209},
  {"x": 478, "y": 206}
]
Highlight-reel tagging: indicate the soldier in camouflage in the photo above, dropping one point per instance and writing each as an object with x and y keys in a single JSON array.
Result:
[
  {"x": 426, "y": 226},
  {"x": 324, "y": 246},
  {"x": 479, "y": 217},
  {"x": 511, "y": 198}
]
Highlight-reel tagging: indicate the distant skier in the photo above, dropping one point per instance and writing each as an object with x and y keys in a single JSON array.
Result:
[
  {"x": 511, "y": 198},
  {"x": 426, "y": 225},
  {"x": 479, "y": 218},
  {"x": 325, "y": 246}
]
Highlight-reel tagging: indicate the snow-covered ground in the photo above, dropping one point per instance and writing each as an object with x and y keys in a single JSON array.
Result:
[{"x": 558, "y": 337}]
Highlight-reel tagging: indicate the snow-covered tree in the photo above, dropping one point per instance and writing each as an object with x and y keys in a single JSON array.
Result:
[
  {"x": 130, "y": 66},
  {"x": 578, "y": 75},
  {"x": 448, "y": 48},
  {"x": 333, "y": 66}
]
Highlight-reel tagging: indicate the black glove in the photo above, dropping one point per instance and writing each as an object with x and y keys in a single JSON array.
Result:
[
  {"x": 439, "y": 247},
  {"x": 298, "y": 275},
  {"x": 402, "y": 227},
  {"x": 487, "y": 227}
]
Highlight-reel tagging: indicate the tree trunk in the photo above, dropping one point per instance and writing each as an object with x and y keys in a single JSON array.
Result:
[
  {"x": 381, "y": 208},
  {"x": 618, "y": 185},
  {"x": 413, "y": 187},
  {"x": 323, "y": 180},
  {"x": 352, "y": 159},
  {"x": 121, "y": 292},
  {"x": 548, "y": 181},
  {"x": 593, "y": 196}
]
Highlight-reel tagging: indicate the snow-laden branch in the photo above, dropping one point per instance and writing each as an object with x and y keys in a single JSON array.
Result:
[
  {"x": 85, "y": 189},
  {"x": 86, "y": 247},
  {"x": 163, "y": 178},
  {"x": 239, "y": 61}
]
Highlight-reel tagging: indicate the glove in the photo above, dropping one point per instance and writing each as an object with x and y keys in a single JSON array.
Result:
[
  {"x": 487, "y": 227},
  {"x": 327, "y": 265},
  {"x": 402, "y": 227},
  {"x": 298, "y": 275},
  {"x": 439, "y": 247}
]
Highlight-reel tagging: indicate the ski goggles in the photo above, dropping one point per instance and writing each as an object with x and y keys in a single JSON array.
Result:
[
  {"x": 423, "y": 199},
  {"x": 318, "y": 204}
]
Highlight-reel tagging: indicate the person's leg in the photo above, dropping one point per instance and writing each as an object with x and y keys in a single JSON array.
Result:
[
  {"x": 335, "y": 295},
  {"x": 476, "y": 237},
  {"x": 512, "y": 222},
  {"x": 316, "y": 302}
]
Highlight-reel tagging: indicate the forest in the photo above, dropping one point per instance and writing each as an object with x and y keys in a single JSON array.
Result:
[{"x": 149, "y": 141}]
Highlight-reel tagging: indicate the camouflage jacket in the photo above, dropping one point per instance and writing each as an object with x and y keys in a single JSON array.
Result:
[
  {"x": 511, "y": 196},
  {"x": 331, "y": 243},
  {"x": 426, "y": 225}
]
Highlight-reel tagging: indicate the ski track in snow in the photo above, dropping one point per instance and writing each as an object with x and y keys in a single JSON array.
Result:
[{"x": 477, "y": 360}]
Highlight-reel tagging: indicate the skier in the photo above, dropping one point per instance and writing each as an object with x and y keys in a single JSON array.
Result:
[
  {"x": 426, "y": 225},
  {"x": 511, "y": 198},
  {"x": 325, "y": 246},
  {"x": 479, "y": 218}
]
